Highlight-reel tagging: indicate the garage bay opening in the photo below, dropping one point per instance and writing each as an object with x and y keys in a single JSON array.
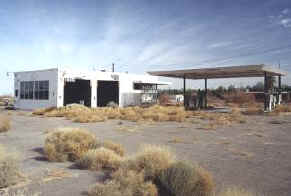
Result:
[
  {"x": 77, "y": 91},
  {"x": 107, "y": 91}
]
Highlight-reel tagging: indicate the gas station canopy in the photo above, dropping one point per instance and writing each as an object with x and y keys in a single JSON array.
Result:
[{"x": 222, "y": 72}]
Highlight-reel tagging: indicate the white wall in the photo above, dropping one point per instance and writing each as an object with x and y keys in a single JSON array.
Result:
[
  {"x": 56, "y": 79},
  {"x": 125, "y": 82},
  {"x": 126, "y": 85},
  {"x": 50, "y": 75}
]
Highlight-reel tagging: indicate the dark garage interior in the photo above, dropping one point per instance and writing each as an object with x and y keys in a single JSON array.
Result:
[
  {"x": 107, "y": 91},
  {"x": 78, "y": 91}
]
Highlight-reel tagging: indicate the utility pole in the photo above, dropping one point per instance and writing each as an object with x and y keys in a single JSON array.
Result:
[{"x": 112, "y": 67}]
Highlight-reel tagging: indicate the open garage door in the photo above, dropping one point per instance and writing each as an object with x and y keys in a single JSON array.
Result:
[
  {"x": 77, "y": 91},
  {"x": 107, "y": 91}
]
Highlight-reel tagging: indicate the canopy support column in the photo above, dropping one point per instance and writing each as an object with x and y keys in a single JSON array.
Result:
[
  {"x": 279, "y": 89},
  {"x": 205, "y": 92},
  {"x": 265, "y": 92},
  {"x": 184, "y": 90}
]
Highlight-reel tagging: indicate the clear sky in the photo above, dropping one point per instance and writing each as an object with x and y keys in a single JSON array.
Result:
[{"x": 143, "y": 35}]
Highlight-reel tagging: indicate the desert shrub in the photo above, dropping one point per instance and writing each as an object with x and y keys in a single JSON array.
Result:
[
  {"x": 70, "y": 111},
  {"x": 184, "y": 179},
  {"x": 117, "y": 148},
  {"x": 253, "y": 110},
  {"x": 112, "y": 113},
  {"x": 125, "y": 182},
  {"x": 83, "y": 114},
  {"x": 161, "y": 113},
  {"x": 131, "y": 113},
  {"x": 282, "y": 108},
  {"x": 5, "y": 123},
  {"x": 220, "y": 119},
  {"x": 89, "y": 118},
  {"x": 100, "y": 158},
  {"x": 234, "y": 191},
  {"x": 43, "y": 111},
  {"x": 65, "y": 144},
  {"x": 110, "y": 188},
  {"x": 9, "y": 168},
  {"x": 151, "y": 160}
]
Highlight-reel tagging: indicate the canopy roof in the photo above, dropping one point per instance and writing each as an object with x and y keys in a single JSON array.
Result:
[{"x": 222, "y": 72}]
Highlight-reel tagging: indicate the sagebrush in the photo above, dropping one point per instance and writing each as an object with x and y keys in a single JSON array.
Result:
[
  {"x": 100, "y": 158},
  {"x": 5, "y": 123},
  {"x": 125, "y": 182},
  {"x": 9, "y": 168},
  {"x": 83, "y": 114},
  {"x": 69, "y": 144},
  {"x": 151, "y": 159},
  {"x": 184, "y": 179},
  {"x": 117, "y": 148}
]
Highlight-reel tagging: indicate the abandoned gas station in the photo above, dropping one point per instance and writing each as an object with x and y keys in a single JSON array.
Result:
[{"x": 271, "y": 97}]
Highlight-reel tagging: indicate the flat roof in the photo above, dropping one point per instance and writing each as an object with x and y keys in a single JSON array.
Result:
[
  {"x": 39, "y": 70},
  {"x": 222, "y": 72}
]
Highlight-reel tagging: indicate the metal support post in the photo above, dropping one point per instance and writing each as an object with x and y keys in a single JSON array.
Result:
[
  {"x": 205, "y": 93},
  {"x": 184, "y": 90}
]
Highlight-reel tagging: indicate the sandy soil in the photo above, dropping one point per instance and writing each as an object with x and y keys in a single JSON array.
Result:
[{"x": 255, "y": 155}]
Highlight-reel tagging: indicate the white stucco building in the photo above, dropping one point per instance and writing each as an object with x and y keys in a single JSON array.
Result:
[{"x": 58, "y": 87}]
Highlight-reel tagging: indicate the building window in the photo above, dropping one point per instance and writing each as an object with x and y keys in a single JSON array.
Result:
[
  {"x": 38, "y": 90},
  {"x": 22, "y": 90},
  {"x": 30, "y": 90},
  {"x": 144, "y": 86},
  {"x": 137, "y": 86},
  {"x": 43, "y": 90}
]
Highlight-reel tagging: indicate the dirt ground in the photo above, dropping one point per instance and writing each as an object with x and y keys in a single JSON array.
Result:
[{"x": 255, "y": 155}]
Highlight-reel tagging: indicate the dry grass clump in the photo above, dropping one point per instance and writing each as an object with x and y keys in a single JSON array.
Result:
[
  {"x": 89, "y": 118},
  {"x": 282, "y": 109},
  {"x": 220, "y": 119},
  {"x": 234, "y": 191},
  {"x": 9, "y": 168},
  {"x": 43, "y": 111},
  {"x": 117, "y": 148},
  {"x": 253, "y": 110},
  {"x": 151, "y": 159},
  {"x": 100, "y": 158},
  {"x": 184, "y": 179},
  {"x": 5, "y": 123},
  {"x": 125, "y": 182},
  {"x": 70, "y": 144},
  {"x": 70, "y": 111},
  {"x": 170, "y": 113},
  {"x": 80, "y": 113}
]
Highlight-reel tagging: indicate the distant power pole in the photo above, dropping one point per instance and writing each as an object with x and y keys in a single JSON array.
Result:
[
  {"x": 112, "y": 67},
  {"x": 279, "y": 64}
]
